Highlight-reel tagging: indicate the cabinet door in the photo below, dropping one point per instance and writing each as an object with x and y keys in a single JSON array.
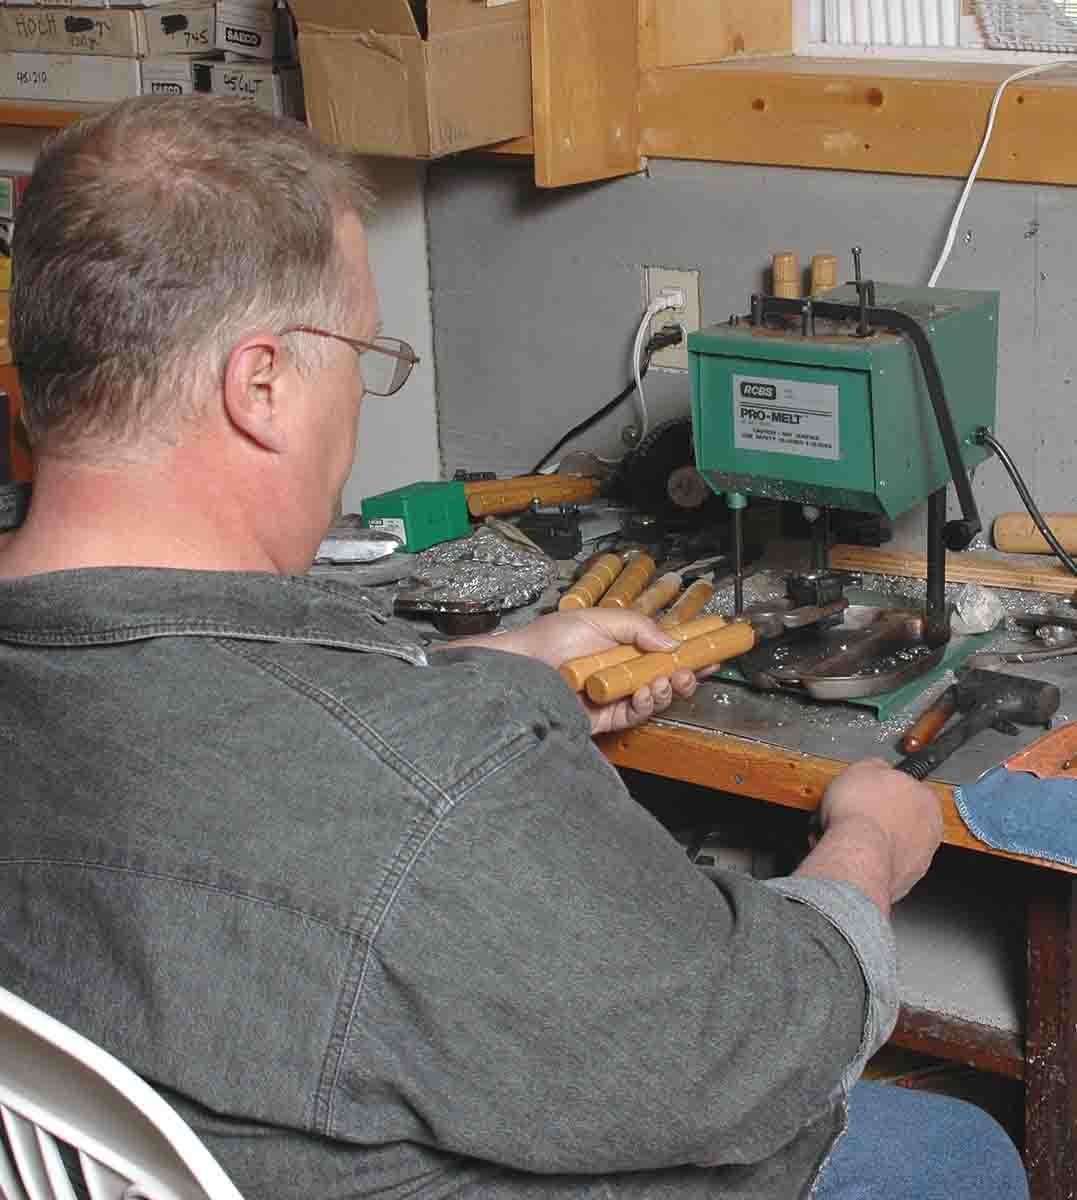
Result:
[{"x": 585, "y": 83}]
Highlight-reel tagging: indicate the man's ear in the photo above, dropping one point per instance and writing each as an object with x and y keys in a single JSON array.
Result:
[{"x": 258, "y": 378}]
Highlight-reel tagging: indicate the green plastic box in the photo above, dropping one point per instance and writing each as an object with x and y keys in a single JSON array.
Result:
[{"x": 423, "y": 514}]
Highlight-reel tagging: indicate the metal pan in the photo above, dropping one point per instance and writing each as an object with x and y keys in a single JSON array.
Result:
[{"x": 789, "y": 663}]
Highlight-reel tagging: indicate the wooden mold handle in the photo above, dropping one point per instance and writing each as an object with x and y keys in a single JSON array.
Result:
[
  {"x": 576, "y": 671},
  {"x": 514, "y": 495},
  {"x": 1016, "y": 533},
  {"x": 639, "y": 571},
  {"x": 785, "y": 274},
  {"x": 614, "y": 683},
  {"x": 824, "y": 273},
  {"x": 592, "y": 584},
  {"x": 692, "y": 602},
  {"x": 658, "y": 595}
]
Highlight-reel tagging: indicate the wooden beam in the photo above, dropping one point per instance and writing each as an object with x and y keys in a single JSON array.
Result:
[
  {"x": 896, "y": 118},
  {"x": 585, "y": 90},
  {"x": 942, "y": 1036},
  {"x": 1051, "y": 1040},
  {"x": 43, "y": 114},
  {"x": 1025, "y": 572}
]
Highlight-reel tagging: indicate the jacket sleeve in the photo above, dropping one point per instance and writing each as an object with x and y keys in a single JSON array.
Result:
[{"x": 555, "y": 988}]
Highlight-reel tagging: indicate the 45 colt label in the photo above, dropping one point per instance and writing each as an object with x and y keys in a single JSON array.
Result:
[{"x": 785, "y": 416}]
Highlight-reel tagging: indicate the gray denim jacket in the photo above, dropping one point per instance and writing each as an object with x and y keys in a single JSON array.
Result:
[{"x": 379, "y": 923}]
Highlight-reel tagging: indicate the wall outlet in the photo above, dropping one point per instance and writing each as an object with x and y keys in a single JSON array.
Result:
[{"x": 656, "y": 280}]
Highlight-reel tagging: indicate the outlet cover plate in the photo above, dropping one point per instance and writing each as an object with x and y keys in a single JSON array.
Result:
[{"x": 655, "y": 281}]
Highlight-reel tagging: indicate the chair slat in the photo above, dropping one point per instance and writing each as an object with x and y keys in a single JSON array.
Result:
[
  {"x": 10, "y": 1187},
  {"x": 55, "y": 1167},
  {"x": 27, "y": 1154},
  {"x": 101, "y": 1182}
]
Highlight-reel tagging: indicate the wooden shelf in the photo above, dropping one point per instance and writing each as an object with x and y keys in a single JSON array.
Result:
[
  {"x": 43, "y": 114},
  {"x": 853, "y": 115}
]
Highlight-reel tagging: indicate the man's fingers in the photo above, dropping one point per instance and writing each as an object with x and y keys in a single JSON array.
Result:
[{"x": 631, "y": 628}]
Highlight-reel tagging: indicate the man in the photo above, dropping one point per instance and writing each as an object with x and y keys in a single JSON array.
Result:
[{"x": 375, "y": 921}]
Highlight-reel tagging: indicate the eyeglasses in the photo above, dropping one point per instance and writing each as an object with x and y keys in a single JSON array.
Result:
[{"x": 385, "y": 362}]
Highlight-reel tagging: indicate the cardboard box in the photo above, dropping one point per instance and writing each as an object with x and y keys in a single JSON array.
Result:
[
  {"x": 277, "y": 89},
  {"x": 172, "y": 75},
  {"x": 72, "y": 3},
  {"x": 247, "y": 29},
  {"x": 83, "y": 77},
  {"x": 188, "y": 28},
  {"x": 192, "y": 27},
  {"x": 118, "y": 31},
  {"x": 378, "y": 83}
]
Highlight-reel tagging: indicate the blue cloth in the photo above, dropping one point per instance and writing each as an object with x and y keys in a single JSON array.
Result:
[
  {"x": 909, "y": 1145},
  {"x": 1016, "y": 811}
]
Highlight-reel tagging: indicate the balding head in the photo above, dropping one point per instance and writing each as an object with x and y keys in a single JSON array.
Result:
[{"x": 150, "y": 240}]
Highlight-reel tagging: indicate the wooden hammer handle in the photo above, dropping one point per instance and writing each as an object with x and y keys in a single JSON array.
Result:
[
  {"x": 633, "y": 579},
  {"x": 1016, "y": 533},
  {"x": 614, "y": 683},
  {"x": 576, "y": 671},
  {"x": 691, "y": 603},
  {"x": 658, "y": 594},
  {"x": 926, "y": 727},
  {"x": 592, "y": 584}
]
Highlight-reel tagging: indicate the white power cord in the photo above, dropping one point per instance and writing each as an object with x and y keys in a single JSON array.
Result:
[
  {"x": 669, "y": 298},
  {"x": 952, "y": 232}
]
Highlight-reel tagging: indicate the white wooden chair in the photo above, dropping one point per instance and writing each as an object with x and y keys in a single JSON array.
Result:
[{"x": 58, "y": 1087}]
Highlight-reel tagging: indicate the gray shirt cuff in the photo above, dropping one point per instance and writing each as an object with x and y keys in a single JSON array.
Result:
[{"x": 871, "y": 939}]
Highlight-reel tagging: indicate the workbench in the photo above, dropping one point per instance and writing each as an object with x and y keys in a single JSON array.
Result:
[{"x": 784, "y": 751}]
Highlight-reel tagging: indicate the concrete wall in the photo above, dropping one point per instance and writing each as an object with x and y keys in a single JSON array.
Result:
[{"x": 536, "y": 295}]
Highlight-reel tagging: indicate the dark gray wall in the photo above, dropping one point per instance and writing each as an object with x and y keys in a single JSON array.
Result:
[{"x": 536, "y": 295}]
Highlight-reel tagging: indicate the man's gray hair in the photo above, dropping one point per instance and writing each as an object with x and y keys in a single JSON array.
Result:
[{"x": 154, "y": 237}]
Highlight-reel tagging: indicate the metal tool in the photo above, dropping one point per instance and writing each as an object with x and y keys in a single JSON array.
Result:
[
  {"x": 987, "y": 659},
  {"x": 349, "y": 542},
  {"x": 869, "y": 399},
  {"x": 455, "y": 618},
  {"x": 986, "y": 700}
]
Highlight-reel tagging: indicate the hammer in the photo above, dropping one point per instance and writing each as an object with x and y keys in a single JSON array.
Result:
[{"x": 986, "y": 700}]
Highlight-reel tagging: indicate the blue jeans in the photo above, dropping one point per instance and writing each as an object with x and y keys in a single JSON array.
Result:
[{"x": 909, "y": 1145}]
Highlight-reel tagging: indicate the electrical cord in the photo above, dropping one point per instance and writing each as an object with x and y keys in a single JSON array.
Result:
[
  {"x": 952, "y": 231},
  {"x": 669, "y": 336},
  {"x": 661, "y": 303},
  {"x": 984, "y": 438}
]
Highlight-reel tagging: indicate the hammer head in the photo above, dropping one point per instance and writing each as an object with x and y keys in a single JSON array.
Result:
[{"x": 1026, "y": 701}]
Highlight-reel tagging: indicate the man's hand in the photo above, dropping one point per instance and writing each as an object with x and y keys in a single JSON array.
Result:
[
  {"x": 557, "y": 637},
  {"x": 881, "y": 829}
]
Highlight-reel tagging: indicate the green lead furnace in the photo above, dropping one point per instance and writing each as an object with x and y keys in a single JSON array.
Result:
[{"x": 828, "y": 411}]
